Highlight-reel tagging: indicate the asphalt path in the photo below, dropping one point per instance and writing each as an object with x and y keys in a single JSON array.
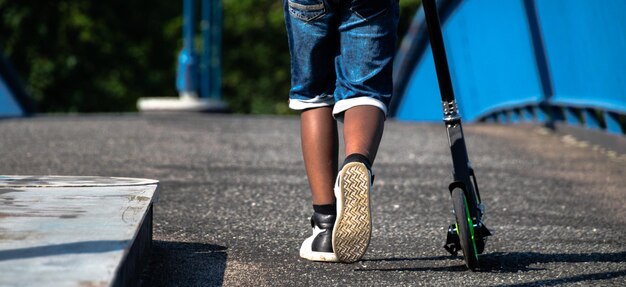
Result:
[{"x": 234, "y": 203}]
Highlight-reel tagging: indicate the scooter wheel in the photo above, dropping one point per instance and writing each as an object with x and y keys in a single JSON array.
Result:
[{"x": 465, "y": 229}]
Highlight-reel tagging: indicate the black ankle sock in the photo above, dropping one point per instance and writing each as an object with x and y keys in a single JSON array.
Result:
[
  {"x": 326, "y": 209},
  {"x": 357, "y": 157}
]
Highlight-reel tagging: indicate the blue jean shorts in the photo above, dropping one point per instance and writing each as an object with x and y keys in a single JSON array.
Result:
[{"x": 341, "y": 52}]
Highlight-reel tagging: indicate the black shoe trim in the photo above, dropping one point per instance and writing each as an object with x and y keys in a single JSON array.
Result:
[
  {"x": 357, "y": 157},
  {"x": 327, "y": 209},
  {"x": 323, "y": 242}
]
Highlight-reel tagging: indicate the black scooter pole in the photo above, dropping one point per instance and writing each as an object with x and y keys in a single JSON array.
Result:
[
  {"x": 452, "y": 119},
  {"x": 439, "y": 50}
]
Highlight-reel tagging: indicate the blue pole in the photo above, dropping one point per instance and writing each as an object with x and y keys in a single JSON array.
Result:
[
  {"x": 186, "y": 78},
  {"x": 539, "y": 49},
  {"x": 216, "y": 50},
  {"x": 205, "y": 64}
]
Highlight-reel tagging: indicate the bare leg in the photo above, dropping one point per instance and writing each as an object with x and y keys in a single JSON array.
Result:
[
  {"x": 363, "y": 130},
  {"x": 320, "y": 151}
]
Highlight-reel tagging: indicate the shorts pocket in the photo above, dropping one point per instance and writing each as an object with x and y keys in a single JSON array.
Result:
[
  {"x": 368, "y": 9},
  {"x": 306, "y": 10}
]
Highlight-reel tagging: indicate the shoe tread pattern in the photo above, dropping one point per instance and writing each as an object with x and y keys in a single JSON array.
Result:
[{"x": 354, "y": 228}]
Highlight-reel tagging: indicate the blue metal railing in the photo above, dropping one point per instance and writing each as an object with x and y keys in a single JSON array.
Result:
[
  {"x": 187, "y": 75},
  {"x": 14, "y": 101},
  {"x": 523, "y": 60},
  {"x": 196, "y": 75}
]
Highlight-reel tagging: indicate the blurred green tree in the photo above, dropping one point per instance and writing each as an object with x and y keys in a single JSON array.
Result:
[{"x": 91, "y": 56}]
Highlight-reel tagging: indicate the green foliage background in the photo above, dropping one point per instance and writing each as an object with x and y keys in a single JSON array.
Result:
[{"x": 101, "y": 56}]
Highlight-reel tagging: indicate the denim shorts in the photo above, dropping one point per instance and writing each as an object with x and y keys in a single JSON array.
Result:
[{"x": 341, "y": 52}]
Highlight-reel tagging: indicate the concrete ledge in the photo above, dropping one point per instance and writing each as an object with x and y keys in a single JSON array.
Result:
[{"x": 74, "y": 231}]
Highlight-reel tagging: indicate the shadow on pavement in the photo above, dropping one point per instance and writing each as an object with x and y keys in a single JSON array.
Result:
[
  {"x": 453, "y": 268},
  {"x": 513, "y": 262},
  {"x": 185, "y": 264},
  {"x": 573, "y": 279},
  {"x": 503, "y": 262},
  {"x": 83, "y": 247}
]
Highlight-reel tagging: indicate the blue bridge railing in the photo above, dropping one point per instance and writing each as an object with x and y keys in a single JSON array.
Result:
[
  {"x": 512, "y": 61},
  {"x": 14, "y": 102}
]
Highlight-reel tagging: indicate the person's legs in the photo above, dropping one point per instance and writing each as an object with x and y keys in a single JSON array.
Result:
[
  {"x": 320, "y": 151},
  {"x": 351, "y": 74},
  {"x": 313, "y": 44},
  {"x": 362, "y": 94}
]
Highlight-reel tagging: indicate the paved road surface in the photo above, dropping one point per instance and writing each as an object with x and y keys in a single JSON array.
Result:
[{"x": 234, "y": 199}]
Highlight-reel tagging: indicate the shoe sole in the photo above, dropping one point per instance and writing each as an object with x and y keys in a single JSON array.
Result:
[
  {"x": 319, "y": 256},
  {"x": 353, "y": 227}
]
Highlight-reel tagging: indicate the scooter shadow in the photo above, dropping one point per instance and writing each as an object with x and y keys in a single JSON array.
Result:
[{"x": 500, "y": 262}]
